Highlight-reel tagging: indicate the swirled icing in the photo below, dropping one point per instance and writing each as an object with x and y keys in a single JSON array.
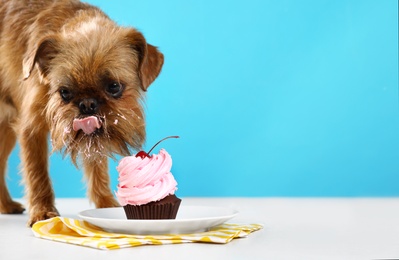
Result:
[{"x": 143, "y": 180}]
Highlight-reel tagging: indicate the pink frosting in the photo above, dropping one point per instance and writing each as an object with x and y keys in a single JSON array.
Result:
[{"x": 145, "y": 180}]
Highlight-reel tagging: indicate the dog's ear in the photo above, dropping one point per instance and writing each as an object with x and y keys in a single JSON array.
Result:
[
  {"x": 150, "y": 59},
  {"x": 151, "y": 66},
  {"x": 40, "y": 54}
]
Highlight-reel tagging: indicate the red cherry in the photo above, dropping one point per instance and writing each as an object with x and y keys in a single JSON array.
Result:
[{"x": 143, "y": 154}]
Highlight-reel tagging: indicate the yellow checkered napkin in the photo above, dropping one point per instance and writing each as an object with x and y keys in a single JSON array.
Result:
[{"x": 79, "y": 232}]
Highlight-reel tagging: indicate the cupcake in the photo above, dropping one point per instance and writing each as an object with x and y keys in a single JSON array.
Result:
[{"x": 146, "y": 188}]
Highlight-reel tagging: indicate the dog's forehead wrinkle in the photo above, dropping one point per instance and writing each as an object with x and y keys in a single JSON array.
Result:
[{"x": 93, "y": 77}]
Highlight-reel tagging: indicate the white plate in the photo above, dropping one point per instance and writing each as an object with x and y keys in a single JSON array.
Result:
[{"x": 189, "y": 219}]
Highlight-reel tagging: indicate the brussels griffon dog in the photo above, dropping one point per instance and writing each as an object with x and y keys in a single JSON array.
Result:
[{"x": 69, "y": 72}]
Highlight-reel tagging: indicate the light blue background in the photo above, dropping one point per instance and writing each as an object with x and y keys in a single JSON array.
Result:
[{"x": 270, "y": 98}]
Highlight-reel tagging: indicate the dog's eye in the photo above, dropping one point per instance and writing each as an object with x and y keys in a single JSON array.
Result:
[
  {"x": 115, "y": 89},
  {"x": 66, "y": 94}
]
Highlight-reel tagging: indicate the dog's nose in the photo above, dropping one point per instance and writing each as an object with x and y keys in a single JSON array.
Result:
[{"x": 88, "y": 106}]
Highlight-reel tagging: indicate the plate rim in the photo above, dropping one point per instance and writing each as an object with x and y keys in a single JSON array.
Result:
[
  {"x": 158, "y": 226},
  {"x": 233, "y": 213}
]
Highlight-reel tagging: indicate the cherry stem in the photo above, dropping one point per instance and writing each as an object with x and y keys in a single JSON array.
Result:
[{"x": 173, "y": 136}]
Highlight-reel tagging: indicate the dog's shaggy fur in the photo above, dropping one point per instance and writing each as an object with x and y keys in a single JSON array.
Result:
[{"x": 65, "y": 62}]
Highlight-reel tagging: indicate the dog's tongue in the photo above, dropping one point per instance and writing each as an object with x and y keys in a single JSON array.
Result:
[{"x": 88, "y": 124}]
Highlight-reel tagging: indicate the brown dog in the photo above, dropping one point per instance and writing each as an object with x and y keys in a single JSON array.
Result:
[{"x": 68, "y": 70}]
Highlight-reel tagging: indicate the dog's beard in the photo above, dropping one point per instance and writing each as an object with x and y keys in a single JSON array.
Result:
[{"x": 122, "y": 129}]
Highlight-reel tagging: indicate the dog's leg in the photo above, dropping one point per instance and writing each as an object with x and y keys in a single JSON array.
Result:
[
  {"x": 98, "y": 183},
  {"x": 34, "y": 155},
  {"x": 7, "y": 143}
]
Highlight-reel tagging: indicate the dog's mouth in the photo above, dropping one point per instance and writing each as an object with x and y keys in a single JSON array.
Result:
[{"x": 88, "y": 125}]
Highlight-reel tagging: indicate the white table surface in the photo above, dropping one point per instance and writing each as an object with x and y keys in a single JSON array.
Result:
[{"x": 293, "y": 229}]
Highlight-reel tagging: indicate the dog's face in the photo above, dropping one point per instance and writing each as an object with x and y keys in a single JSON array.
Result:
[{"x": 95, "y": 89}]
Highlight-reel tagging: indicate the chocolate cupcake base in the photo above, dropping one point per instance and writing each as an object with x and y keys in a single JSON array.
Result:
[{"x": 164, "y": 209}]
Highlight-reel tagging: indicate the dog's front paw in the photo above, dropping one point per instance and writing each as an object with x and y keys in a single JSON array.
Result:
[
  {"x": 42, "y": 214},
  {"x": 11, "y": 207}
]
